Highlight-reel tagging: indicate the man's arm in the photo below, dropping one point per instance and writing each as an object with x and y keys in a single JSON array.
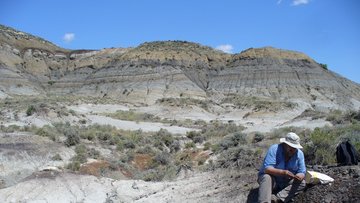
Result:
[
  {"x": 280, "y": 172},
  {"x": 300, "y": 174}
]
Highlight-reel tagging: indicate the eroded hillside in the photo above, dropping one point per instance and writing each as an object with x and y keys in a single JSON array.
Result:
[{"x": 169, "y": 69}]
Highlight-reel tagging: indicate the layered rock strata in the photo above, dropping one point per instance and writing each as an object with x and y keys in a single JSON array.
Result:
[{"x": 30, "y": 65}]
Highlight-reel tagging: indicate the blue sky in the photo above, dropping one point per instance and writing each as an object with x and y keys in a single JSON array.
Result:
[{"x": 326, "y": 30}]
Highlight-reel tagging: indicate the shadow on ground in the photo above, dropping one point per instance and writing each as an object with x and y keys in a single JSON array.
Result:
[{"x": 252, "y": 196}]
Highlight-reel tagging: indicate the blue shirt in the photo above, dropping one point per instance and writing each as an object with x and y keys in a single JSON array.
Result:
[{"x": 275, "y": 157}]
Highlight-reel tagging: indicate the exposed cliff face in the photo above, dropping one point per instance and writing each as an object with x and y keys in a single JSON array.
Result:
[{"x": 30, "y": 65}]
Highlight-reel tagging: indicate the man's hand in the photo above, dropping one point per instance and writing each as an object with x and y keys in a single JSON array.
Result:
[
  {"x": 288, "y": 174},
  {"x": 300, "y": 176}
]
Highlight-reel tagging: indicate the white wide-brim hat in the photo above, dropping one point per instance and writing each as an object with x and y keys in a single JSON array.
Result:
[{"x": 292, "y": 140}]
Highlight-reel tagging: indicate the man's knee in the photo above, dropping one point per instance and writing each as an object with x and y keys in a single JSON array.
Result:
[{"x": 265, "y": 178}]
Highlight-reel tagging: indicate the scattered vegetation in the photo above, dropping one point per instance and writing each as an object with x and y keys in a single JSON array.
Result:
[
  {"x": 135, "y": 116},
  {"x": 183, "y": 102},
  {"x": 160, "y": 155},
  {"x": 324, "y": 66},
  {"x": 257, "y": 104},
  {"x": 30, "y": 110}
]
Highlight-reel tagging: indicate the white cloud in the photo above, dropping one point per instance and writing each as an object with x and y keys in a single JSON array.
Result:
[
  {"x": 69, "y": 37},
  {"x": 299, "y": 2},
  {"x": 279, "y": 2},
  {"x": 227, "y": 48}
]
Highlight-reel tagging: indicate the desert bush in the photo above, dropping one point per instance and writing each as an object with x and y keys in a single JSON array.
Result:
[
  {"x": 56, "y": 157},
  {"x": 189, "y": 145},
  {"x": 219, "y": 129},
  {"x": 78, "y": 159},
  {"x": 233, "y": 140},
  {"x": 281, "y": 132},
  {"x": 335, "y": 117},
  {"x": 130, "y": 155},
  {"x": 257, "y": 103},
  {"x": 48, "y": 131},
  {"x": 258, "y": 137},
  {"x": 175, "y": 146},
  {"x": 150, "y": 175},
  {"x": 30, "y": 110},
  {"x": 159, "y": 173},
  {"x": 93, "y": 153},
  {"x": 81, "y": 153},
  {"x": 192, "y": 134},
  {"x": 162, "y": 158},
  {"x": 324, "y": 66},
  {"x": 103, "y": 136},
  {"x": 82, "y": 121},
  {"x": 238, "y": 157},
  {"x": 10, "y": 128},
  {"x": 74, "y": 166},
  {"x": 352, "y": 117},
  {"x": 207, "y": 145},
  {"x": 86, "y": 134},
  {"x": 195, "y": 136},
  {"x": 321, "y": 147},
  {"x": 131, "y": 115},
  {"x": 350, "y": 133},
  {"x": 72, "y": 112},
  {"x": 312, "y": 114},
  {"x": 199, "y": 139},
  {"x": 129, "y": 144},
  {"x": 163, "y": 137},
  {"x": 72, "y": 137},
  {"x": 147, "y": 149}
]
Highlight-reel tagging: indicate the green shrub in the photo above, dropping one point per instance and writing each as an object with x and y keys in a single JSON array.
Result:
[
  {"x": 48, "y": 131},
  {"x": 163, "y": 137},
  {"x": 147, "y": 149},
  {"x": 103, "y": 136},
  {"x": 238, "y": 157},
  {"x": 162, "y": 158},
  {"x": 190, "y": 145},
  {"x": 56, "y": 157},
  {"x": 30, "y": 110},
  {"x": 218, "y": 129},
  {"x": 207, "y": 145},
  {"x": 335, "y": 117},
  {"x": 324, "y": 66},
  {"x": 151, "y": 175},
  {"x": 234, "y": 140},
  {"x": 175, "y": 146},
  {"x": 196, "y": 136},
  {"x": 74, "y": 166},
  {"x": 320, "y": 150},
  {"x": 72, "y": 138},
  {"x": 10, "y": 128},
  {"x": 129, "y": 144},
  {"x": 258, "y": 137}
]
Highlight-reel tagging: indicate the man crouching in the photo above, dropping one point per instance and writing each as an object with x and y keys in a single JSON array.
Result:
[{"x": 282, "y": 174}]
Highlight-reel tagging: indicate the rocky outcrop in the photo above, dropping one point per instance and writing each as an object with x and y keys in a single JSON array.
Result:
[{"x": 151, "y": 71}]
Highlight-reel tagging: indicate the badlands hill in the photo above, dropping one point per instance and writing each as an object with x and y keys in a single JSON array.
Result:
[{"x": 31, "y": 66}]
